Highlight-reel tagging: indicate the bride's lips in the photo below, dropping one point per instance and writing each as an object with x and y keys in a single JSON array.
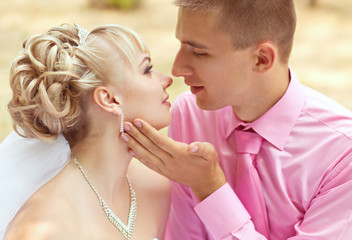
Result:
[{"x": 166, "y": 102}]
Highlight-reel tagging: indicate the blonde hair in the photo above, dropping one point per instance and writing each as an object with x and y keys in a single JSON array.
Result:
[
  {"x": 251, "y": 22},
  {"x": 53, "y": 74}
]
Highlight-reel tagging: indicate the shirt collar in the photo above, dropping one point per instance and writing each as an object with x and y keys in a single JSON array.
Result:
[{"x": 277, "y": 123}]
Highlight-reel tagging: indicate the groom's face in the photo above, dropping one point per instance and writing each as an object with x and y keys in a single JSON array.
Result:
[{"x": 216, "y": 73}]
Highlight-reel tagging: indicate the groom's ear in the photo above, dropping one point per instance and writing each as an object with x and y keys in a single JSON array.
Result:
[{"x": 265, "y": 57}]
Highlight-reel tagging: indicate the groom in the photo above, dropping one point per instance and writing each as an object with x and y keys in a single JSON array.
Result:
[{"x": 253, "y": 154}]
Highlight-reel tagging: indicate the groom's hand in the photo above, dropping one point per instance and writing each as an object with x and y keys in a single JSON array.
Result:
[{"x": 194, "y": 165}]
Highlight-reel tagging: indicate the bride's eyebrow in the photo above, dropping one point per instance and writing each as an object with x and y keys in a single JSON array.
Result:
[{"x": 146, "y": 58}]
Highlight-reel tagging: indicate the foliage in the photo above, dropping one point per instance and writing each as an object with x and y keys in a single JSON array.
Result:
[{"x": 123, "y": 4}]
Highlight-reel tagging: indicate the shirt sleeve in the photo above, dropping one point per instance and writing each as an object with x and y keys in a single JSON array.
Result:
[
  {"x": 225, "y": 217},
  {"x": 209, "y": 219},
  {"x": 183, "y": 222}
]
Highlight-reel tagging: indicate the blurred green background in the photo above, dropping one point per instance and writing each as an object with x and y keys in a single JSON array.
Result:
[{"x": 321, "y": 58}]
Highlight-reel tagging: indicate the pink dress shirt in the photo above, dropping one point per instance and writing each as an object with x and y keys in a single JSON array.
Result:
[{"x": 305, "y": 167}]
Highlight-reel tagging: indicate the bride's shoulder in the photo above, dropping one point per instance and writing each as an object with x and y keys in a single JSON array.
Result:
[
  {"x": 43, "y": 216},
  {"x": 34, "y": 231},
  {"x": 31, "y": 223}
]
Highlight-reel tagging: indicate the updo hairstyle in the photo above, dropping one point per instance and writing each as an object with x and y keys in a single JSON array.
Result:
[{"x": 53, "y": 75}]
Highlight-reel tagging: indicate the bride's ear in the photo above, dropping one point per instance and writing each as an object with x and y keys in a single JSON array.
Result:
[{"x": 106, "y": 100}]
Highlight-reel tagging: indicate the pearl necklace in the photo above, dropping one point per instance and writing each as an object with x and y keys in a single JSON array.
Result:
[{"x": 132, "y": 213}]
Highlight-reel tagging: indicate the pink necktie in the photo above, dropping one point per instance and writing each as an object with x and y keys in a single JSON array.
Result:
[{"x": 248, "y": 186}]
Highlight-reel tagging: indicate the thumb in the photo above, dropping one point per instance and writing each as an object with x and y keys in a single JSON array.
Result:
[{"x": 202, "y": 149}]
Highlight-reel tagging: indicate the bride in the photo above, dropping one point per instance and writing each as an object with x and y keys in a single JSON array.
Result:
[{"x": 71, "y": 92}]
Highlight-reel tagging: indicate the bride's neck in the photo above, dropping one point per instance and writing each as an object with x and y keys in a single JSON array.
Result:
[{"x": 105, "y": 160}]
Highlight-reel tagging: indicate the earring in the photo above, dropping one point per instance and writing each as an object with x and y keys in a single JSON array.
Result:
[{"x": 121, "y": 127}]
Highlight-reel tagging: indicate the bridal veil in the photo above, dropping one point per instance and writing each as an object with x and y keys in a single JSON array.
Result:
[{"x": 26, "y": 165}]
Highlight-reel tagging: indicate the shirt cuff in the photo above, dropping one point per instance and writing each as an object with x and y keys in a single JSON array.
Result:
[{"x": 222, "y": 212}]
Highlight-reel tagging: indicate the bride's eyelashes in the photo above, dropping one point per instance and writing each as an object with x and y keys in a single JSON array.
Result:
[{"x": 148, "y": 69}]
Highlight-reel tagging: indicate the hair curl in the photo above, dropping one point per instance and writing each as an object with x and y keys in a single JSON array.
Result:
[{"x": 48, "y": 79}]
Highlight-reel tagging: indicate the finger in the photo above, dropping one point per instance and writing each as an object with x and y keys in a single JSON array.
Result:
[
  {"x": 145, "y": 145},
  {"x": 203, "y": 149},
  {"x": 164, "y": 142},
  {"x": 142, "y": 154}
]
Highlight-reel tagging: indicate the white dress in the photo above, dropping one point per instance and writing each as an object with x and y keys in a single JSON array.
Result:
[{"x": 25, "y": 166}]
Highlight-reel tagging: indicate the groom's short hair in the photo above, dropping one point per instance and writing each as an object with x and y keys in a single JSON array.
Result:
[{"x": 251, "y": 22}]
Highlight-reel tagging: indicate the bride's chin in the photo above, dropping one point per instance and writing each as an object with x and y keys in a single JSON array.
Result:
[{"x": 160, "y": 125}]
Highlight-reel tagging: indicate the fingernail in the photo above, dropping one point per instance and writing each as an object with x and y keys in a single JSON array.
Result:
[
  {"x": 126, "y": 128},
  {"x": 138, "y": 124},
  {"x": 194, "y": 149},
  {"x": 132, "y": 153},
  {"x": 125, "y": 138}
]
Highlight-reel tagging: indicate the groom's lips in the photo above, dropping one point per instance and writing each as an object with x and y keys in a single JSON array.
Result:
[
  {"x": 193, "y": 87},
  {"x": 196, "y": 89}
]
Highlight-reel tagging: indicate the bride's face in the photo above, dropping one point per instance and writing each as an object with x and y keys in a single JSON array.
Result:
[
  {"x": 142, "y": 90},
  {"x": 144, "y": 94}
]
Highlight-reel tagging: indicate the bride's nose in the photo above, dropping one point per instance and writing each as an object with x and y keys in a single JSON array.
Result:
[{"x": 166, "y": 81}]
